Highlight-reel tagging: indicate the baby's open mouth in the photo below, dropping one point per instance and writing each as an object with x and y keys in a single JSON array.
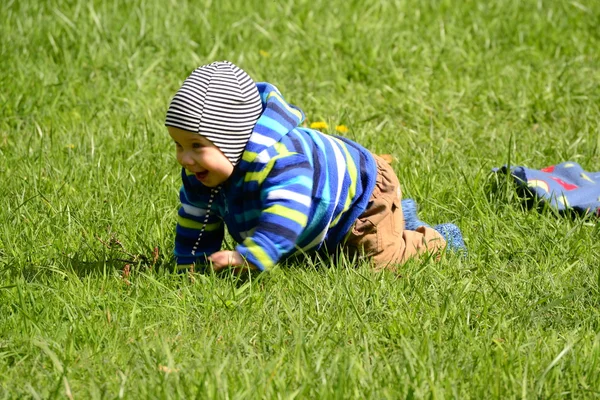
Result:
[{"x": 201, "y": 175}]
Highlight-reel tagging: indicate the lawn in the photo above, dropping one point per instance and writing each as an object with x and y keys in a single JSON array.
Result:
[{"x": 89, "y": 305}]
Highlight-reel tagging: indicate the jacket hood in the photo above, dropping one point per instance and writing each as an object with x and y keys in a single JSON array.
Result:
[{"x": 277, "y": 119}]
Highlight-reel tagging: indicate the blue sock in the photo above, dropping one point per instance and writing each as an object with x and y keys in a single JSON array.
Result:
[
  {"x": 453, "y": 236},
  {"x": 409, "y": 210}
]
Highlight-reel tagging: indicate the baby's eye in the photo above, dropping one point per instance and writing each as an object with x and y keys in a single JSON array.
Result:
[{"x": 196, "y": 145}]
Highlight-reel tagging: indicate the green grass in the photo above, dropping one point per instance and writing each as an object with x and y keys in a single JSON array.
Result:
[{"x": 89, "y": 181}]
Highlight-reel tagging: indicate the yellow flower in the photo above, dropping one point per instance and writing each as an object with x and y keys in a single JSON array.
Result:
[
  {"x": 341, "y": 128},
  {"x": 167, "y": 370},
  {"x": 70, "y": 146},
  {"x": 319, "y": 125},
  {"x": 263, "y": 53}
]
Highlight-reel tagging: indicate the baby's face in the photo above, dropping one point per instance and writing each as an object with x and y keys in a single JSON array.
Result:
[{"x": 200, "y": 156}]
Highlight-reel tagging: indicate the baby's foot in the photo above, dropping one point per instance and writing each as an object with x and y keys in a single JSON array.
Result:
[
  {"x": 453, "y": 236},
  {"x": 409, "y": 210}
]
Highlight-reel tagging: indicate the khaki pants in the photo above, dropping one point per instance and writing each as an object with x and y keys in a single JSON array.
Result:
[{"x": 379, "y": 232}]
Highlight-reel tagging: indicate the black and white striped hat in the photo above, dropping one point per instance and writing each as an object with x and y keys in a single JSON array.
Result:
[{"x": 220, "y": 102}]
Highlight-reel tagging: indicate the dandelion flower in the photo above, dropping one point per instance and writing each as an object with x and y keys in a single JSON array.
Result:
[
  {"x": 319, "y": 125},
  {"x": 263, "y": 53},
  {"x": 166, "y": 369},
  {"x": 387, "y": 157},
  {"x": 70, "y": 146},
  {"x": 341, "y": 128}
]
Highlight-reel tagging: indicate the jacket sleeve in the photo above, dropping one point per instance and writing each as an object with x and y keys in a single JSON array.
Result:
[
  {"x": 199, "y": 231},
  {"x": 286, "y": 194}
]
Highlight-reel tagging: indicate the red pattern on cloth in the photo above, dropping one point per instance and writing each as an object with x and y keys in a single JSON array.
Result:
[
  {"x": 567, "y": 186},
  {"x": 548, "y": 169}
]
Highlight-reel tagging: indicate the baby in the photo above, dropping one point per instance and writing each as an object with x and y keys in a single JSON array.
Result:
[{"x": 280, "y": 188}]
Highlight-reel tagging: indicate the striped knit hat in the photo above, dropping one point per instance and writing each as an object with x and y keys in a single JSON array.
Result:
[{"x": 220, "y": 102}]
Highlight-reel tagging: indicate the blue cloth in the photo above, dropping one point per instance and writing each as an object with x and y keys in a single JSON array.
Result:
[{"x": 565, "y": 186}]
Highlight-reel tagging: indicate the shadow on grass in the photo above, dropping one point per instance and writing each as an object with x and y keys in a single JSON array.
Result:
[{"x": 84, "y": 263}]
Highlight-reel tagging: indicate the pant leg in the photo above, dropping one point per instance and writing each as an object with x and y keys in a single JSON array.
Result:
[{"x": 379, "y": 232}]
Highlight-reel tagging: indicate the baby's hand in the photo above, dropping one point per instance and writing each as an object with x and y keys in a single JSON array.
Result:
[{"x": 225, "y": 258}]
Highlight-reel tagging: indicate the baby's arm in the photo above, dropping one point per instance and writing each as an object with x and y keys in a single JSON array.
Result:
[
  {"x": 287, "y": 199},
  {"x": 200, "y": 230}
]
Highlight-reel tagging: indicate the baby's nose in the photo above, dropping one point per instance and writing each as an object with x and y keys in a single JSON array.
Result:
[{"x": 186, "y": 160}]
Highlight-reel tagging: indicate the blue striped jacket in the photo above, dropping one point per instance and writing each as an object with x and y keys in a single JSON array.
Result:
[{"x": 295, "y": 189}]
